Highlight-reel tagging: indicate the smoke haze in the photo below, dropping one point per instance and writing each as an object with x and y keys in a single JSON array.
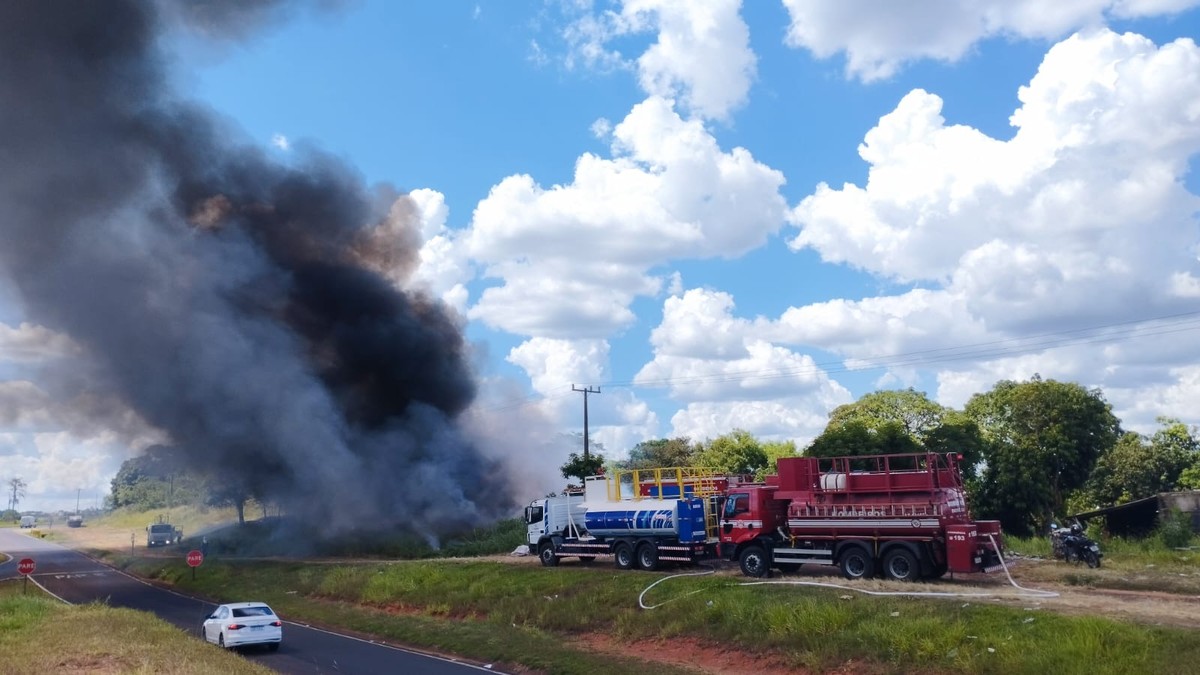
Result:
[{"x": 246, "y": 309}]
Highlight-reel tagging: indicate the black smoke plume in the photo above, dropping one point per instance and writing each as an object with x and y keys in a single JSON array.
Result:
[{"x": 236, "y": 304}]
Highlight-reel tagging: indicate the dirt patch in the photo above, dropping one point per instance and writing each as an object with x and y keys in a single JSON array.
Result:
[
  {"x": 93, "y": 665},
  {"x": 689, "y": 653}
]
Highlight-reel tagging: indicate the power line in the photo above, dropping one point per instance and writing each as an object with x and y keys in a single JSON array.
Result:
[
  {"x": 1098, "y": 334},
  {"x": 984, "y": 350}
]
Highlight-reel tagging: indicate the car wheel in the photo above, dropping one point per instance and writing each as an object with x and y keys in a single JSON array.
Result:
[
  {"x": 856, "y": 563},
  {"x": 221, "y": 640},
  {"x": 901, "y": 565}
]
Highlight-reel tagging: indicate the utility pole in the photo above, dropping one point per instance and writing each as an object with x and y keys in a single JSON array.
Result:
[
  {"x": 77, "y": 491},
  {"x": 585, "y": 391}
]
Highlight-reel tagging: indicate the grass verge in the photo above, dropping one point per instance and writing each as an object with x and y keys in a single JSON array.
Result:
[
  {"x": 523, "y": 614},
  {"x": 41, "y": 635}
]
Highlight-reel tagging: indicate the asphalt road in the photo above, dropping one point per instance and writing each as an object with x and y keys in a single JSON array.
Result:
[{"x": 75, "y": 578}]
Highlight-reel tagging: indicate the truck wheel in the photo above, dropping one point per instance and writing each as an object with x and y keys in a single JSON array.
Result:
[
  {"x": 647, "y": 557},
  {"x": 624, "y": 556},
  {"x": 901, "y": 565},
  {"x": 856, "y": 563},
  {"x": 546, "y": 553},
  {"x": 754, "y": 561}
]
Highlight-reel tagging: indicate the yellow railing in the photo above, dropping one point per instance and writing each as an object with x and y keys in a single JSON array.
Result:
[{"x": 693, "y": 481}]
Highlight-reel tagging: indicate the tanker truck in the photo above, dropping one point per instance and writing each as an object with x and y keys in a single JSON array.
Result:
[
  {"x": 641, "y": 519},
  {"x": 902, "y": 516}
]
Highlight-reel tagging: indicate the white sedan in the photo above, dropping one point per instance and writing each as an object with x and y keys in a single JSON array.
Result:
[{"x": 243, "y": 623}]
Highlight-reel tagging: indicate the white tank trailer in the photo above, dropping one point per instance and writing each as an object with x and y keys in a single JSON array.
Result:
[
  {"x": 636, "y": 531},
  {"x": 612, "y": 519}
]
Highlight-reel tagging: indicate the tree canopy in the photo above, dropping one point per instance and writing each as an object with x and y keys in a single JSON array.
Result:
[
  {"x": 662, "y": 452},
  {"x": 1137, "y": 466},
  {"x": 737, "y": 452},
  {"x": 1043, "y": 438},
  {"x": 896, "y": 422}
]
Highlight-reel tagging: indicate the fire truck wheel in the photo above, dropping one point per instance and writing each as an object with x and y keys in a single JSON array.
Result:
[
  {"x": 856, "y": 563},
  {"x": 901, "y": 565},
  {"x": 623, "y": 554},
  {"x": 647, "y": 557},
  {"x": 754, "y": 561},
  {"x": 546, "y": 553}
]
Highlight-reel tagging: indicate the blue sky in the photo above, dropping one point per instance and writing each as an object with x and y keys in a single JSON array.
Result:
[{"x": 731, "y": 215}]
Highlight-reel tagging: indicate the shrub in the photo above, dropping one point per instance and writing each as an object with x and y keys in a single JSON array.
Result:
[{"x": 1175, "y": 529}]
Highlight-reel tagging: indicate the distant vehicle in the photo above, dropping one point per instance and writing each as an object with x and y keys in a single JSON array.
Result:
[
  {"x": 243, "y": 623},
  {"x": 74, "y": 521},
  {"x": 162, "y": 534},
  {"x": 28, "y": 521}
]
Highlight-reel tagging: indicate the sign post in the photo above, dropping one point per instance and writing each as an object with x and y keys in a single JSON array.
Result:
[
  {"x": 194, "y": 559},
  {"x": 26, "y": 567}
]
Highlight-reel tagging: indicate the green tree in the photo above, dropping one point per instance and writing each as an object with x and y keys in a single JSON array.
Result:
[
  {"x": 857, "y": 438},
  {"x": 1042, "y": 440},
  {"x": 737, "y": 452},
  {"x": 774, "y": 450},
  {"x": 1190, "y": 478},
  {"x": 912, "y": 410},
  {"x": 577, "y": 467},
  {"x": 958, "y": 433},
  {"x": 897, "y": 422},
  {"x": 156, "y": 479},
  {"x": 229, "y": 492},
  {"x": 1137, "y": 467},
  {"x": 660, "y": 453}
]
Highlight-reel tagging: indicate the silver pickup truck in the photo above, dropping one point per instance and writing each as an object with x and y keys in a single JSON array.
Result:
[{"x": 162, "y": 534}]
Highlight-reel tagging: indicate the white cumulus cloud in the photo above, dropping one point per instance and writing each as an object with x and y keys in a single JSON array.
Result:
[
  {"x": 879, "y": 36},
  {"x": 1081, "y": 220},
  {"x": 702, "y": 55},
  {"x": 571, "y": 258}
]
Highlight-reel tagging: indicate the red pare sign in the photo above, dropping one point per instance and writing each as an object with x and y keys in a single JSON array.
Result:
[
  {"x": 26, "y": 566},
  {"x": 194, "y": 558}
]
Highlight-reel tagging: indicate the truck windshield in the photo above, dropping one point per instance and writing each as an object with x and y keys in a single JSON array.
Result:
[
  {"x": 533, "y": 515},
  {"x": 737, "y": 503},
  {"x": 161, "y": 528}
]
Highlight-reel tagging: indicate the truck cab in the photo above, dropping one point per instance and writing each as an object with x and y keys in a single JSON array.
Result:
[
  {"x": 749, "y": 512},
  {"x": 553, "y": 516},
  {"x": 162, "y": 534}
]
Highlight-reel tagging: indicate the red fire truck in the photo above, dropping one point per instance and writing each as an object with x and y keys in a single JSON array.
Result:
[{"x": 904, "y": 516}]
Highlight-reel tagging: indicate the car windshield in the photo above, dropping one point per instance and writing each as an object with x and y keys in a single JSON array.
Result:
[
  {"x": 242, "y": 612},
  {"x": 160, "y": 528}
]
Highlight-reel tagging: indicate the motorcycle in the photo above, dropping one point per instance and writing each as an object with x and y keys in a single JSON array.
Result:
[{"x": 1072, "y": 545}]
